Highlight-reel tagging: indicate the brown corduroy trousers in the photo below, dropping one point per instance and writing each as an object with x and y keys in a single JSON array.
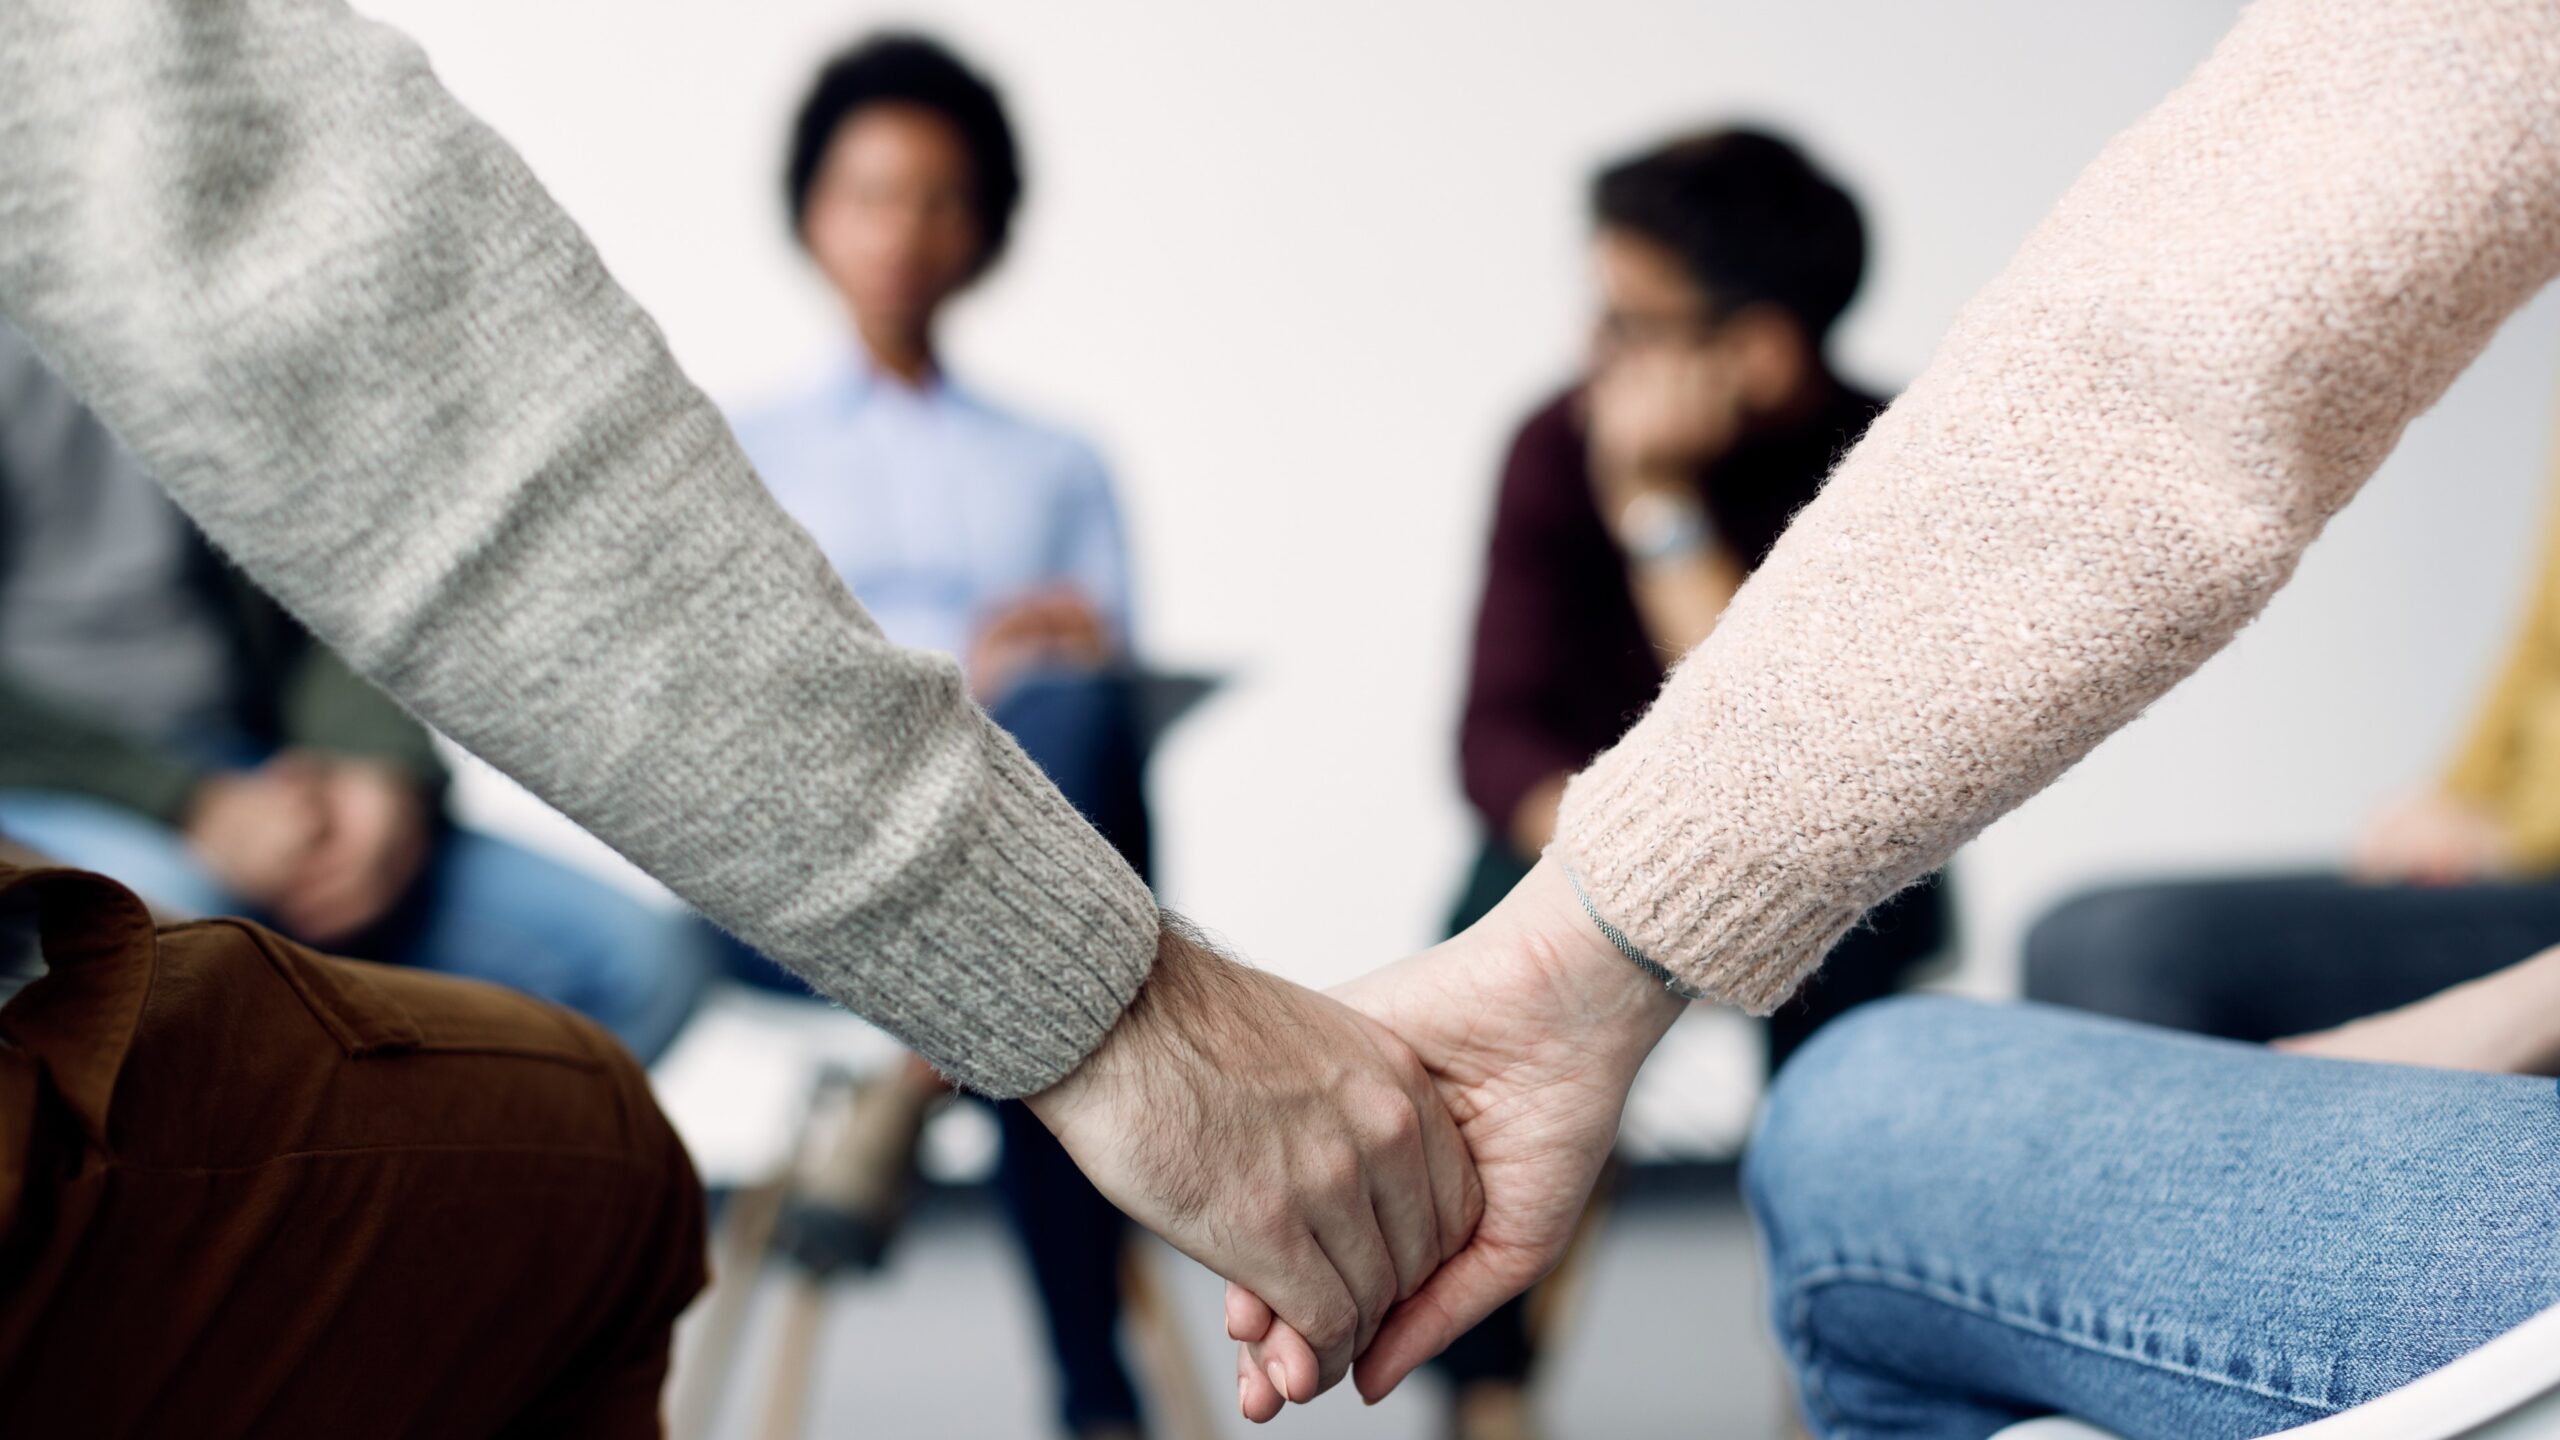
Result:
[{"x": 249, "y": 1190}]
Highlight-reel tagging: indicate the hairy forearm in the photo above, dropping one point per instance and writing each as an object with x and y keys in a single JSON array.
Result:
[{"x": 2507, "y": 1022}]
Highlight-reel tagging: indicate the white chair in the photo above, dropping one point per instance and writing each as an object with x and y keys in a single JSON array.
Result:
[{"x": 2508, "y": 1389}]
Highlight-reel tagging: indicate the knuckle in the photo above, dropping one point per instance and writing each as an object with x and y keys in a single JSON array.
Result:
[
  {"x": 1269, "y": 1218},
  {"x": 1340, "y": 1173},
  {"x": 1389, "y": 1118},
  {"x": 1333, "y": 1326}
]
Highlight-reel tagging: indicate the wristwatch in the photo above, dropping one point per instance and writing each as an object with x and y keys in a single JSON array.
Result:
[{"x": 1660, "y": 525}]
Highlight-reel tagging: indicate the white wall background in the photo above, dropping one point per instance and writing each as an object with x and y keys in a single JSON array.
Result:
[{"x": 1299, "y": 267}]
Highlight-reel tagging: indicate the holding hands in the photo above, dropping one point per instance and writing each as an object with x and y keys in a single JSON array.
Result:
[
  {"x": 1375, "y": 1171},
  {"x": 1532, "y": 1026},
  {"x": 1278, "y": 1137}
]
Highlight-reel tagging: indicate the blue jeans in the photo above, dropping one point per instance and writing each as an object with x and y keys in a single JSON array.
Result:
[
  {"x": 1977, "y": 1214},
  {"x": 482, "y": 908},
  {"x": 2256, "y": 957}
]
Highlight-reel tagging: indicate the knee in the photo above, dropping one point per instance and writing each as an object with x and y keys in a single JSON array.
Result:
[
  {"x": 1068, "y": 721},
  {"x": 649, "y": 980},
  {"x": 2107, "y": 949},
  {"x": 1836, "y": 1113}
]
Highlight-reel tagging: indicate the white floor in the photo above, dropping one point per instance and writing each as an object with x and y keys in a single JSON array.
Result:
[{"x": 1668, "y": 1342}]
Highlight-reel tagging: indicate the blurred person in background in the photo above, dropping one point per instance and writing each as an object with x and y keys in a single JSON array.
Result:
[
  {"x": 165, "y": 723},
  {"x": 1631, "y": 508},
  {"x": 967, "y": 529},
  {"x": 2446, "y": 885}
]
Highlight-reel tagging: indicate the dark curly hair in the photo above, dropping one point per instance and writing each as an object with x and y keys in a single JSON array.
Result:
[
  {"x": 1751, "y": 218},
  {"x": 905, "y": 69}
]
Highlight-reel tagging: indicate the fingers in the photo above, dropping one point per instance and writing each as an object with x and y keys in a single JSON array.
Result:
[
  {"x": 1309, "y": 1297},
  {"x": 1357, "y": 1250},
  {"x": 1459, "y": 1295},
  {"x": 1457, "y": 1193},
  {"x": 1247, "y": 1317},
  {"x": 1257, "y": 1398},
  {"x": 1276, "y": 1362},
  {"x": 1273, "y": 1361},
  {"x": 1404, "y": 1195},
  {"x": 1284, "y": 1357}
]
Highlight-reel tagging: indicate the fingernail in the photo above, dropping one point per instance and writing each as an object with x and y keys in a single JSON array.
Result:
[
  {"x": 1244, "y": 1388},
  {"x": 1277, "y": 1381}
]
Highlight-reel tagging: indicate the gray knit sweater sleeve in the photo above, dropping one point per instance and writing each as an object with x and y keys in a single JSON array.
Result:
[{"x": 350, "y": 332}]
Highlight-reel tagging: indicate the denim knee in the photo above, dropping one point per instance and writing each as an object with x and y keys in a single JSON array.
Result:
[{"x": 1816, "y": 1151}]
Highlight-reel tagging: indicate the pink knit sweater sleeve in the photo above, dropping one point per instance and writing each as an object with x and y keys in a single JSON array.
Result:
[{"x": 2116, "y": 456}]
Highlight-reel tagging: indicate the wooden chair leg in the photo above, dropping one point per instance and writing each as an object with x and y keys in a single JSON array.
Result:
[
  {"x": 795, "y": 1356},
  {"x": 738, "y": 1248},
  {"x": 1555, "y": 1301},
  {"x": 1176, "y": 1407}
]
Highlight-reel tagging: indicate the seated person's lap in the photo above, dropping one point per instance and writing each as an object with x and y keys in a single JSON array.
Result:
[
  {"x": 2255, "y": 958},
  {"x": 1976, "y": 1214},
  {"x": 484, "y": 908},
  {"x": 141, "y": 853},
  {"x": 270, "y": 1193}
]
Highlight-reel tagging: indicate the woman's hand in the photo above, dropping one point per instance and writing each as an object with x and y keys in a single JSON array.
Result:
[
  {"x": 2505, "y": 1023},
  {"x": 1532, "y": 1026},
  {"x": 254, "y": 830},
  {"x": 2431, "y": 838},
  {"x": 1277, "y": 1137}
]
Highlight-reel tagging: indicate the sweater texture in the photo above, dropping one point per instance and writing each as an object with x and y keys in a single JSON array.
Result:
[
  {"x": 2115, "y": 457},
  {"x": 340, "y": 320}
]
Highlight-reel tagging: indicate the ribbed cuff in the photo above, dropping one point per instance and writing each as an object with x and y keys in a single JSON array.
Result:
[
  {"x": 1634, "y": 952},
  {"x": 1714, "y": 913},
  {"x": 1007, "y": 973}
]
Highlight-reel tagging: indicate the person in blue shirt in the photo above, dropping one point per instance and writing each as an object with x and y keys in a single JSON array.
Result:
[{"x": 967, "y": 529}]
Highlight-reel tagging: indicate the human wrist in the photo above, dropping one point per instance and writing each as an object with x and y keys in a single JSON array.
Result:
[
  {"x": 1600, "y": 982},
  {"x": 1662, "y": 524},
  {"x": 2531, "y": 1004},
  {"x": 1185, "y": 991},
  {"x": 205, "y": 801}
]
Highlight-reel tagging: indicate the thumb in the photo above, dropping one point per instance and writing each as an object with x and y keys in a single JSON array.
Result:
[
  {"x": 1247, "y": 1317},
  {"x": 1452, "y": 1302}
]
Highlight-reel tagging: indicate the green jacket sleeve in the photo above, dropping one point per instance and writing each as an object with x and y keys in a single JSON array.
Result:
[
  {"x": 330, "y": 708},
  {"x": 50, "y": 745}
]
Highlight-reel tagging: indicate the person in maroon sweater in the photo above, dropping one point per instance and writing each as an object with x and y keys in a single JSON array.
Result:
[{"x": 1632, "y": 506}]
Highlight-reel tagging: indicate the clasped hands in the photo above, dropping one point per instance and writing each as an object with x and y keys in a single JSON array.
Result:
[{"x": 1373, "y": 1170}]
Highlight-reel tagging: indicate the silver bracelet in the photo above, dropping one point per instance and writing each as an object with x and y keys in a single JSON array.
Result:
[
  {"x": 1656, "y": 527},
  {"x": 1627, "y": 947}
]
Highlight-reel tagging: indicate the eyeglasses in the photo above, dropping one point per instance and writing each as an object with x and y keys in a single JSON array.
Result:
[{"x": 1617, "y": 332}]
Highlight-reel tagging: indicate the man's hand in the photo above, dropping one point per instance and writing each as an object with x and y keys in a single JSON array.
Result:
[
  {"x": 1659, "y": 415},
  {"x": 2432, "y": 838},
  {"x": 1046, "y": 627},
  {"x": 1277, "y": 1137},
  {"x": 254, "y": 829},
  {"x": 376, "y": 829},
  {"x": 1533, "y": 1026},
  {"x": 2504, "y": 1023}
]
